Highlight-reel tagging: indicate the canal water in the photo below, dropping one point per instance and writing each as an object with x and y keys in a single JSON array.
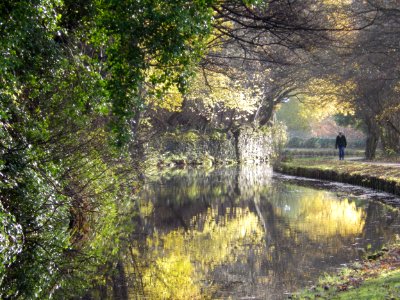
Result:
[
  {"x": 230, "y": 233},
  {"x": 246, "y": 233}
]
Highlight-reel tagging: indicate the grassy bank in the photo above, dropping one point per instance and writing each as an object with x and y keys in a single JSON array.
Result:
[
  {"x": 378, "y": 277},
  {"x": 379, "y": 176}
]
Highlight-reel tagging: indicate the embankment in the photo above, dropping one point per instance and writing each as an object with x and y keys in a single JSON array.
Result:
[{"x": 384, "y": 178}]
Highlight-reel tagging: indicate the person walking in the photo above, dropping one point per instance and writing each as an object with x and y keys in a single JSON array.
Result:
[{"x": 341, "y": 143}]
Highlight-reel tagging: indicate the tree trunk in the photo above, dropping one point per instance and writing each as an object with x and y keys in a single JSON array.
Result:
[
  {"x": 390, "y": 140},
  {"x": 372, "y": 139},
  {"x": 266, "y": 114},
  {"x": 120, "y": 289}
]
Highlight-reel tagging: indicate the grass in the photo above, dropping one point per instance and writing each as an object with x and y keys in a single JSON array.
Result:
[
  {"x": 377, "y": 278},
  {"x": 386, "y": 286},
  {"x": 299, "y": 152},
  {"x": 367, "y": 169}
]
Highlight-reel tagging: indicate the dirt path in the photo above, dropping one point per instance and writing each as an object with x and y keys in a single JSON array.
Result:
[{"x": 377, "y": 163}]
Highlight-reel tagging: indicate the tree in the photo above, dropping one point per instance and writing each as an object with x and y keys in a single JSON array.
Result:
[
  {"x": 369, "y": 60},
  {"x": 280, "y": 41},
  {"x": 74, "y": 76}
]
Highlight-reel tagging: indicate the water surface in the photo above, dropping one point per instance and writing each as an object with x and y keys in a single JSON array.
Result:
[{"x": 243, "y": 233}]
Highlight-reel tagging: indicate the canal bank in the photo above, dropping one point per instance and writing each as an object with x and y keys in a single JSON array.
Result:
[{"x": 378, "y": 176}]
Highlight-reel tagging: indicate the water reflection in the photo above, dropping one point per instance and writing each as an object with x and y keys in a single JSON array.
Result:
[
  {"x": 322, "y": 216},
  {"x": 239, "y": 233}
]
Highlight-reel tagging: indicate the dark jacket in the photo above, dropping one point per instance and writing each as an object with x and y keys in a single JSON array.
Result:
[{"x": 341, "y": 141}]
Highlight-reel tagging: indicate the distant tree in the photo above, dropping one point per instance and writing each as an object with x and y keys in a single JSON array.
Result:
[
  {"x": 363, "y": 66},
  {"x": 371, "y": 62},
  {"x": 290, "y": 113},
  {"x": 279, "y": 42}
]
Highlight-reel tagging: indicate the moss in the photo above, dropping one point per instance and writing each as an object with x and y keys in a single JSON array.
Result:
[
  {"x": 230, "y": 162},
  {"x": 217, "y": 136},
  {"x": 191, "y": 136},
  {"x": 207, "y": 159},
  {"x": 170, "y": 160}
]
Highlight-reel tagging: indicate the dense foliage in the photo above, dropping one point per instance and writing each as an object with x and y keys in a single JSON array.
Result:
[{"x": 73, "y": 80}]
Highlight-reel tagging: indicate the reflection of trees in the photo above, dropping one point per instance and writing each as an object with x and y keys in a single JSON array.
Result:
[
  {"x": 377, "y": 232},
  {"x": 321, "y": 215},
  {"x": 178, "y": 261},
  {"x": 241, "y": 235},
  {"x": 293, "y": 245},
  {"x": 178, "y": 198}
]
